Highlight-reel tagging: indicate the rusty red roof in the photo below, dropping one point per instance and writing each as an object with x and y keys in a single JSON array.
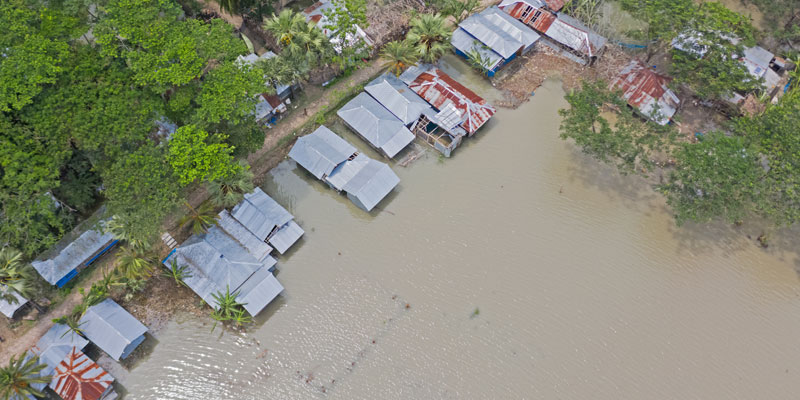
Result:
[
  {"x": 439, "y": 89},
  {"x": 312, "y": 7},
  {"x": 79, "y": 378},
  {"x": 538, "y": 18},
  {"x": 647, "y": 90},
  {"x": 555, "y": 5}
]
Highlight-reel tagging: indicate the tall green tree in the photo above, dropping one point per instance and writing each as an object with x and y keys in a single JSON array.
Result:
[
  {"x": 664, "y": 20},
  {"x": 16, "y": 275},
  {"x": 344, "y": 20},
  {"x": 300, "y": 41},
  {"x": 34, "y": 45},
  {"x": 229, "y": 191},
  {"x": 141, "y": 189},
  {"x": 430, "y": 35},
  {"x": 599, "y": 122},
  {"x": 711, "y": 45},
  {"x": 17, "y": 378},
  {"x": 228, "y": 93},
  {"x": 197, "y": 156}
]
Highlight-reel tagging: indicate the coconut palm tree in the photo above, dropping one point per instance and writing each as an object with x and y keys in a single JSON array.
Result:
[
  {"x": 16, "y": 276},
  {"x": 119, "y": 231},
  {"x": 478, "y": 61},
  {"x": 284, "y": 26},
  {"x": 132, "y": 264},
  {"x": 200, "y": 219},
  {"x": 399, "y": 55},
  {"x": 229, "y": 191},
  {"x": 298, "y": 39},
  {"x": 430, "y": 35},
  {"x": 458, "y": 9},
  {"x": 177, "y": 272},
  {"x": 72, "y": 321},
  {"x": 17, "y": 377}
]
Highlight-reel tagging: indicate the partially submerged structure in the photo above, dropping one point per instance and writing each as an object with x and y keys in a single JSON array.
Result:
[
  {"x": 62, "y": 262},
  {"x": 337, "y": 163},
  {"x": 113, "y": 329},
  {"x": 10, "y": 308},
  {"x": 647, "y": 91},
  {"x": 74, "y": 375},
  {"x": 267, "y": 221},
  {"x": 565, "y": 32},
  {"x": 494, "y": 36},
  {"x": 318, "y": 14},
  {"x": 375, "y": 124},
  {"x": 437, "y": 128},
  {"x": 456, "y": 106},
  {"x": 218, "y": 262}
]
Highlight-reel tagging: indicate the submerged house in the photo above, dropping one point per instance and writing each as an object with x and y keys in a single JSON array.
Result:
[
  {"x": 375, "y": 124},
  {"x": 63, "y": 262},
  {"x": 8, "y": 308},
  {"x": 455, "y": 105},
  {"x": 647, "y": 91},
  {"x": 219, "y": 262},
  {"x": 337, "y": 163},
  {"x": 113, "y": 329},
  {"x": 435, "y": 128},
  {"x": 74, "y": 375},
  {"x": 267, "y": 220},
  {"x": 316, "y": 13},
  {"x": 564, "y": 32},
  {"x": 496, "y": 36}
]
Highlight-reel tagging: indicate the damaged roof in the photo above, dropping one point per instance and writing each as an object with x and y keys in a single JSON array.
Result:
[
  {"x": 439, "y": 89},
  {"x": 77, "y": 377},
  {"x": 648, "y": 91},
  {"x": 376, "y": 124}
]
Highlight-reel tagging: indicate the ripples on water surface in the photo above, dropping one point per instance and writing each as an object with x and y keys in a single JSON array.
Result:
[{"x": 585, "y": 290}]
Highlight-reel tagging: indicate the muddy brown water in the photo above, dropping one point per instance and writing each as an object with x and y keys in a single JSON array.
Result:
[{"x": 518, "y": 269}]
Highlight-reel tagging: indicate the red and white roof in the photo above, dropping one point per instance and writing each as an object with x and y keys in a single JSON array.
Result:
[
  {"x": 79, "y": 378},
  {"x": 647, "y": 90}
]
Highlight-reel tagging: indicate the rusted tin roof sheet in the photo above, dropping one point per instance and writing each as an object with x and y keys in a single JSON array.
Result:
[
  {"x": 647, "y": 90},
  {"x": 79, "y": 378},
  {"x": 440, "y": 89}
]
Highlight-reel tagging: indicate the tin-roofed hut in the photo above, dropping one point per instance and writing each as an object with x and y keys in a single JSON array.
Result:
[
  {"x": 113, "y": 329},
  {"x": 63, "y": 262},
  {"x": 647, "y": 91},
  {"x": 10, "y": 308},
  {"x": 375, "y": 124},
  {"x": 267, "y": 220},
  {"x": 334, "y": 161}
]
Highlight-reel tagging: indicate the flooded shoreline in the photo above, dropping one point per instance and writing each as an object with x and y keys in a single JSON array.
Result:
[{"x": 519, "y": 268}]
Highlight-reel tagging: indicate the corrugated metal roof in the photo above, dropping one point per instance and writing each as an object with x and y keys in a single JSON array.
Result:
[
  {"x": 511, "y": 26},
  {"x": 371, "y": 183},
  {"x": 79, "y": 378},
  {"x": 530, "y": 12},
  {"x": 375, "y": 124},
  {"x": 260, "y": 214},
  {"x": 321, "y": 151},
  {"x": 55, "y": 345},
  {"x": 259, "y": 291},
  {"x": 465, "y": 43},
  {"x": 7, "y": 308},
  {"x": 217, "y": 262},
  {"x": 440, "y": 89},
  {"x": 757, "y": 60},
  {"x": 345, "y": 171},
  {"x": 573, "y": 34},
  {"x": 646, "y": 90},
  {"x": 256, "y": 247},
  {"x": 396, "y": 97},
  {"x": 111, "y": 328},
  {"x": 73, "y": 255},
  {"x": 286, "y": 236},
  {"x": 491, "y": 35}
]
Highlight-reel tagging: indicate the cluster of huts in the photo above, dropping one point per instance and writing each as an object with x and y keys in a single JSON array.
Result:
[
  {"x": 423, "y": 102},
  {"x": 62, "y": 352}
]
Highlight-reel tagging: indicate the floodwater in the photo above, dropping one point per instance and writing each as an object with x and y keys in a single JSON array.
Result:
[{"x": 518, "y": 269}]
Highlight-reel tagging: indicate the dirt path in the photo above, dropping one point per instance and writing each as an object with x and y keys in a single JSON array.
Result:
[{"x": 18, "y": 345}]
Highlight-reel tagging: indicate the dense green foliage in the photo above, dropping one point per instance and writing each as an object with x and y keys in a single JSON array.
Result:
[
  {"x": 17, "y": 377},
  {"x": 197, "y": 157},
  {"x": 781, "y": 20},
  {"x": 598, "y": 122},
  {"x": 345, "y": 18},
  {"x": 430, "y": 35}
]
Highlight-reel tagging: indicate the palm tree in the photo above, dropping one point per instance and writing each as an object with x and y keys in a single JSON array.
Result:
[
  {"x": 478, "y": 61},
  {"x": 200, "y": 219},
  {"x": 399, "y": 55},
  {"x": 16, "y": 276},
  {"x": 119, "y": 231},
  {"x": 284, "y": 26},
  {"x": 459, "y": 10},
  {"x": 298, "y": 39},
  {"x": 132, "y": 264},
  {"x": 178, "y": 273},
  {"x": 16, "y": 378},
  {"x": 72, "y": 321},
  {"x": 229, "y": 191},
  {"x": 430, "y": 35},
  {"x": 228, "y": 308}
]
